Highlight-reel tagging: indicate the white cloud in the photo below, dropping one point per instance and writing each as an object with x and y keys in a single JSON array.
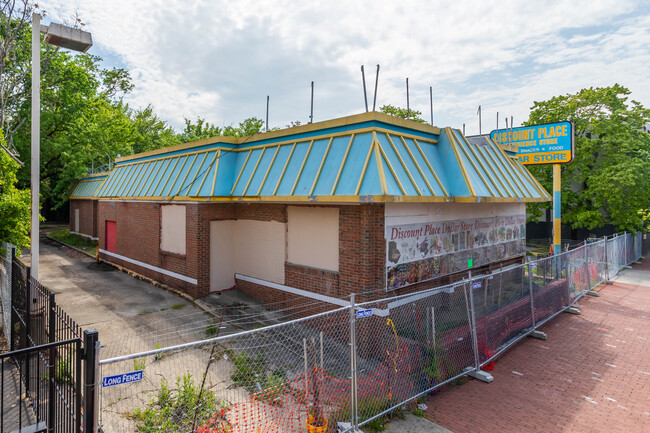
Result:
[{"x": 219, "y": 60}]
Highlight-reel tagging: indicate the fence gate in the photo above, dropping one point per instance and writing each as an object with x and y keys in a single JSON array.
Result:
[{"x": 41, "y": 377}]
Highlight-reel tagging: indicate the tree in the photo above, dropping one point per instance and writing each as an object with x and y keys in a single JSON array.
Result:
[
  {"x": 80, "y": 124},
  {"x": 202, "y": 129},
  {"x": 608, "y": 181},
  {"x": 402, "y": 112},
  {"x": 198, "y": 131},
  {"x": 15, "y": 62},
  {"x": 14, "y": 203},
  {"x": 151, "y": 132}
]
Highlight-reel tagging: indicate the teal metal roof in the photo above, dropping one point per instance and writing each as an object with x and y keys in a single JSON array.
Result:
[
  {"x": 87, "y": 187},
  {"x": 373, "y": 159}
]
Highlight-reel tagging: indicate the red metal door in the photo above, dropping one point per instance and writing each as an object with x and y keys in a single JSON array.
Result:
[{"x": 111, "y": 235}]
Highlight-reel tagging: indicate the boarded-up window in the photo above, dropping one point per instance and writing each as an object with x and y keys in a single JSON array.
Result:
[
  {"x": 172, "y": 228},
  {"x": 252, "y": 248},
  {"x": 313, "y": 237}
]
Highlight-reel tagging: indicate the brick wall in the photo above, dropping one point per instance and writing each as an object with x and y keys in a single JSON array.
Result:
[
  {"x": 362, "y": 251},
  {"x": 87, "y": 220},
  {"x": 138, "y": 238},
  {"x": 314, "y": 280},
  {"x": 294, "y": 306}
]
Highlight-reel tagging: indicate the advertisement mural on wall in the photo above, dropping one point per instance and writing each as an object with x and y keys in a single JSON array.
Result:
[{"x": 421, "y": 252}]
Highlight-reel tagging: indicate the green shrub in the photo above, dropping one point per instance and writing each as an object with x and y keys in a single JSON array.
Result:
[
  {"x": 249, "y": 371},
  {"x": 174, "y": 411},
  {"x": 253, "y": 374},
  {"x": 139, "y": 364}
]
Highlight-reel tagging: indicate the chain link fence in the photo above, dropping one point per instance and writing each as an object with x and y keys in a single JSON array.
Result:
[{"x": 340, "y": 370}]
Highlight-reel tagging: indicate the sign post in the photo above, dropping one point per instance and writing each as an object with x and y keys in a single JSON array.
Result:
[
  {"x": 551, "y": 143},
  {"x": 557, "y": 208}
]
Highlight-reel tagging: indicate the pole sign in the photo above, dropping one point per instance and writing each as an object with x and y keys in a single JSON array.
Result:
[{"x": 551, "y": 143}]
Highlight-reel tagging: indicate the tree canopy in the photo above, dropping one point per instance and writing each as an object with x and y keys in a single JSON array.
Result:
[
  {"x": 403, "y": 113},
  {"x": 608, "y": 181},
  {"x": 14, "y": 203}
]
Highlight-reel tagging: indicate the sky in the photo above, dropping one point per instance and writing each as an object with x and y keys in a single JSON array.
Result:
[{"x": 219, "y": 60}]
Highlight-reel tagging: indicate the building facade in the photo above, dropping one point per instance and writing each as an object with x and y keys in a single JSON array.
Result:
[{"x": 368, "y": 204}]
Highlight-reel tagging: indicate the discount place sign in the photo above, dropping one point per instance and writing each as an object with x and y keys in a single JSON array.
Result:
[{"x": 541, "y": 144}]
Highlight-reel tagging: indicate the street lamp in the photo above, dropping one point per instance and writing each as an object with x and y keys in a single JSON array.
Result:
[{"x": 64, "y": 37}]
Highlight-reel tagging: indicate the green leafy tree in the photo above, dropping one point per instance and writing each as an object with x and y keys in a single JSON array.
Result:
[
  {"x": 402, "y": 112},
  {"x": 201, "y": 129},
  {"x": 608, "y": 181},
  {"x": 198, "y": 130},
  {"x": 250, "y": 126},
  {"x": 151, "y": 132},
  {"x": 80, "y": 124},
  {"x": 14, "y": 203}
]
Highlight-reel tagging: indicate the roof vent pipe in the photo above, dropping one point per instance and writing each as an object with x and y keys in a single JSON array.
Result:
[
  {"x": 431, "y": 102},
  {"x": 267, "y": 113},
  {"x": 311, "y": 116},
  {"x": 374, "y": 101},
  {"x": 365, "y": 96},
  {"x": 408, "y": 106}
]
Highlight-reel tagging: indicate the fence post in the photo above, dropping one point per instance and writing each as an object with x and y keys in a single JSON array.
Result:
[
  {"x": 52, "y": 362},
  {"x": 28, "y": 323},
  {"x": 12, "y": 314},
  {"x": 473, "y": 324},
  {"x": 625, "y": 263},
  {"x": 587, "y": 266},
  {"x": 606, "y": 263},
  {"x": 353, "y": 367},
  {"x": 91, "y": 366},
  {"x": 475, "y": 372},
  {"x": 532, "y": 294}
]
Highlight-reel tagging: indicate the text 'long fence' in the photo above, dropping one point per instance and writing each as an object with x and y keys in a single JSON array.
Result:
[{"x": 339, "y": 370}]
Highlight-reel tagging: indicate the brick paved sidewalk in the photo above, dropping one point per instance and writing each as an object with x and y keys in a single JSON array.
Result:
[{"x": 591, "y": 375}]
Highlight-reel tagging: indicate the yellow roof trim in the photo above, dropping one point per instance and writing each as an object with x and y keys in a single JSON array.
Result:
[
  {"x": 456, "y": 142},
  {"x": 380, "y": 165},
  {"x": 284, "y": 169},
  {"x": 354, "y": 199},
  {"x": 302, "y": 166},
  {"x": 250, "y": 179},
  {"x": 320, "y": 167},
  {"x": 390, "y": 167},
  {"x": 268, "y": 170},
  {"x": 345, "y": 157},
  {"x": 363, "y": 170},
  {"x": 401, "y": 161}
]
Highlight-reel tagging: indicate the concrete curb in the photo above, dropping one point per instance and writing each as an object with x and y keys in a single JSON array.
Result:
[{"x": 68, "y": 246}]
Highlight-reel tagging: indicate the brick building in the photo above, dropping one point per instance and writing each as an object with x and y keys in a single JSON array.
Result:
[
  {"x": 368, "y": 204},
  {"x": 83, "y": 205}
]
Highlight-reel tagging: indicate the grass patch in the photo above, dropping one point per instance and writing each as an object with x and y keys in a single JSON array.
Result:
[
  {"x": 175, "y": 307},
  {"x": 210, "y": 331},
  {"x": 83, "y": 243}
]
